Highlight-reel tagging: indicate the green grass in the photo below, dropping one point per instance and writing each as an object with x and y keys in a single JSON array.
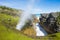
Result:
[{"x": 7, "y": 33}]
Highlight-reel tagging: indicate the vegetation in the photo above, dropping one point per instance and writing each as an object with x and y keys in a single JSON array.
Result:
[
  {"x": 11, "y": 35},
  {"x": 7, "y": 28},
  {"x": 8, "y": 22},
  {"x": 10, "y": 11},
  {"x": 4, "y": 8},
  {"x": 58, "y": 20}
]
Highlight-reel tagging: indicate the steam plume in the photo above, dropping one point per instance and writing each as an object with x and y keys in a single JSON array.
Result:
[{"x": 26, "y": 15}]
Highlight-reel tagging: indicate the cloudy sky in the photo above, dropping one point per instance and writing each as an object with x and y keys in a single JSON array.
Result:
[{"x": 38, "y": 6}]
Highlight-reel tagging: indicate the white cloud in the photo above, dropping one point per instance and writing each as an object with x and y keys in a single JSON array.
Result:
[
  {"x": 36, "y": 10},
  {"x": 6, "y": 4}
]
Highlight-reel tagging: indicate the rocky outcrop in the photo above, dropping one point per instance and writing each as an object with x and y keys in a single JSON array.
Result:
[{"x": 49, "y": 22}]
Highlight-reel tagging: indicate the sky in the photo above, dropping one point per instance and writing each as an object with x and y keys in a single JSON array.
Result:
[{"x": 39, "y": 6}]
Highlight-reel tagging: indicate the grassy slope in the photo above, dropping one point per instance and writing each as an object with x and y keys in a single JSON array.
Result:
[{"x": 8, "y": 34}]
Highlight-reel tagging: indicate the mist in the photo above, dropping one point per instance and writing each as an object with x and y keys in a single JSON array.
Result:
[{"x": 25, "y": 15}]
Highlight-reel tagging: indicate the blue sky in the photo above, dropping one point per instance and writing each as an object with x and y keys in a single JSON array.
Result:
[{"x": 39, "y": 6}]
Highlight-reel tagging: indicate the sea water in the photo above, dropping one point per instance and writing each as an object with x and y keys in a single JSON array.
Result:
[{"x": 39, "y": 30}]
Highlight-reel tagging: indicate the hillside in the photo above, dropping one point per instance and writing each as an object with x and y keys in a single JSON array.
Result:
[
  {"x": 7, "y": 27},
  {"x": 10, "y": 11},
  {"x": 8, "y": 22},
  {"x": 8, "y": 34}
]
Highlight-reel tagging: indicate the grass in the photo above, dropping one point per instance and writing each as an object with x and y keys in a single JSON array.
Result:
[{"x": 7, "y": 33}]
